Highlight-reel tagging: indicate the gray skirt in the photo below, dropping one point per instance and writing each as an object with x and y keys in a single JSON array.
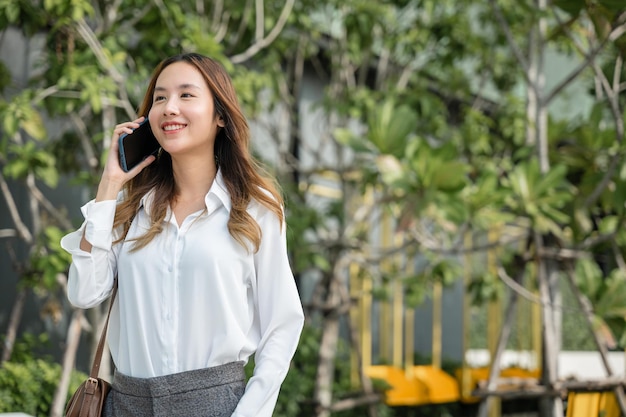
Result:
[{"x": 209, "y": 392}]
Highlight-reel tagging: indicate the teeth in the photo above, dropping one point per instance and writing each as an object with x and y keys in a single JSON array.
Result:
[{"x": 173, "y": 127}]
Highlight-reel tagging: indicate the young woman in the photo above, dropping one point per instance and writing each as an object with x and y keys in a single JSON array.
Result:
[{"x": 196, "y": 239}]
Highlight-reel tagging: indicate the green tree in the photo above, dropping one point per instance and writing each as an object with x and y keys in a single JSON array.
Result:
[
  {"x": 454, "y": 132},
  {"x": 431, "y": 115}
]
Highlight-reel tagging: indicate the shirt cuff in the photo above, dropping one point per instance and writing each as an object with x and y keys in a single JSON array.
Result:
[{"x": 99, "y": 222}]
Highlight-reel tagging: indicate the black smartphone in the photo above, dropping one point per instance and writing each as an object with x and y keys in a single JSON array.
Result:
[{"x": 137, "y": 146}]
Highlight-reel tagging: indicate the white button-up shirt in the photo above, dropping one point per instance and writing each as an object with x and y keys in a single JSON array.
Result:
[{"x": 193, "y": 297}]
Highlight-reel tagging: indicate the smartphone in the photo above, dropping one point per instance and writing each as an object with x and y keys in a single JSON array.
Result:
[{"x": 137, "y": 146}]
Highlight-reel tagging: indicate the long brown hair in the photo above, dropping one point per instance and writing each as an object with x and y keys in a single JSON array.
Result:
[{"x": 241, "y": 172}]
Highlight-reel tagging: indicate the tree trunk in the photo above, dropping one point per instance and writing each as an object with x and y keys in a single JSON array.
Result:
[
  {"x": 14, "y": 323},
  {"x": 325, "y": 376},
  {"x": 69, "y": 360},
  {"x": 549, "y": 406},
  {"x": 546, "y": 274},
  {"x": 97, "y": 317}
]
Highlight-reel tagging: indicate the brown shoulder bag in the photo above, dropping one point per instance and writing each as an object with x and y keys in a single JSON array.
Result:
[{"x": 88, "y": 400}]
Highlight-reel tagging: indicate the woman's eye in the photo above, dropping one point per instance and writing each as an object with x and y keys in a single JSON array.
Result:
[
  {"x": 186, "y": 95},
  {"x": 159, "y": 98}
]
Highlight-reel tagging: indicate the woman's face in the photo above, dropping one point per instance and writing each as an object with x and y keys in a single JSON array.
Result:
[{"x": 182, "y": 114}]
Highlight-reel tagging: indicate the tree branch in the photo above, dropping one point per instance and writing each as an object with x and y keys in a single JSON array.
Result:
[
  {"x": 14, "y": 322},
  {"x": 38, "y": 195},
  {"x": 94, "y": 44},
  {"x": 260, "y": 20},
  {"x": 589, "y": 58},
  {"x": 496, "y": 360},
  {"x": 223, "y": 28},
  {"x": 218, "y": 7},
  {"x": 92, "y": 161},
  {"x": 514, "y": 46},
  {"x": 351, "y": 403},
  {"x": 202, "y": 14},
  {"x": 22, "y": 230},
  {"x": 8, "y": 233},
  {"x": 165, "y": 15},
  {"x": 619, "y": 132},
  {"x": 243, "y": 23},
  {"x": 612, "y": 92},
  {"x": 517, "y": 287},
  {"x": 523, "y": 292},
  {"x": 266, "y": 41}
]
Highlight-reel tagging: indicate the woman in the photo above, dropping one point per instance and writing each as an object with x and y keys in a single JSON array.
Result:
[{"x": 196, "y": 238}]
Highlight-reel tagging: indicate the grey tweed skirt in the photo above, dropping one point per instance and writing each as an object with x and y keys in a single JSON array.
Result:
[{"x": 209, "y": 392}]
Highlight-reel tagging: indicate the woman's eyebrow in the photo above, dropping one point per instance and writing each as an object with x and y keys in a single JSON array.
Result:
[{"x": 180, "y": 87}]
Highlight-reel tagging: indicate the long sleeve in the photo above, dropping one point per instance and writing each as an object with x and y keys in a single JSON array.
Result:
[
  {"x": 279, "y": 318},
  {"x": 91, "y": 274}
]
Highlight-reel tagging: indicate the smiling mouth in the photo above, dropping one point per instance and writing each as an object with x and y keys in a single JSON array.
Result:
[{"x": 169, "y": 128}]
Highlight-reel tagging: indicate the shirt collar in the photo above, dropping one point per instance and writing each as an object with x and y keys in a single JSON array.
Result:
[
  {"x": 217, "y": 194},
  {"x": 219, "y": 190}
]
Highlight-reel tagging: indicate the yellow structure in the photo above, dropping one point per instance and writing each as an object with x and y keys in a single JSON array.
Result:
[
  {"x": 473, "y": 377},
  {"x": 411, "y": 385},
  {"x": 421, "y": 385},
  {"x": 592, "y": 404}
]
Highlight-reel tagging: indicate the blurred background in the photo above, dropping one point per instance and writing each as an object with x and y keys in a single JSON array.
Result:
[{"x": 454, "y": 181}]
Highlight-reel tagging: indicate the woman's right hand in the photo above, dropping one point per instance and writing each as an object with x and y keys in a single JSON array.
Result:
[{"x": 113, "y": 176}]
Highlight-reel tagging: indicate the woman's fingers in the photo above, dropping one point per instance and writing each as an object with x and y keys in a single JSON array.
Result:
[
  {"x": 140, "y": 166},
  {"x": 126, "y": 127}
]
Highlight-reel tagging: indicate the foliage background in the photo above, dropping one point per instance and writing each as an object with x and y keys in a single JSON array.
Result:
[{"x": 433, "y": 117}]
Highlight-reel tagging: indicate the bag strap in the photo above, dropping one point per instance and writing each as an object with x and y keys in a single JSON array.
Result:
[{"x": 95, "y": 368}]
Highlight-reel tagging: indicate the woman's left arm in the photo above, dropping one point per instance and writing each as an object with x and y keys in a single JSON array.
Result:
[{"x": 280, "y": 318}]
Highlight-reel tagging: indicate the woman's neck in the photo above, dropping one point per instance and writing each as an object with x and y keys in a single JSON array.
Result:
[{"x": 193, "y": 178}]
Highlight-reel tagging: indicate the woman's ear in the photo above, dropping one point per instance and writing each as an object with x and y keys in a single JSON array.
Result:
[{"x": 220, "y": 121}]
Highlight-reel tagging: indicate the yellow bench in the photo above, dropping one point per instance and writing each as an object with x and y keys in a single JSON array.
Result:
[{"x": 417, "y": 385}]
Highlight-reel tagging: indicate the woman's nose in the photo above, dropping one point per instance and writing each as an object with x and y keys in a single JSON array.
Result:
[{"x": 171, "y": 107}]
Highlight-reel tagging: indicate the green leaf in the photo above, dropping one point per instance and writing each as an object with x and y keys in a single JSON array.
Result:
[
  {"x": 573, "y": 7},
  {"x": 610, "y": 304},
  {"x": 33, "y": 125},
  {"x": 540, "y": 197},
  {"x": 28, "y": 158},
  {"x": 348, "y": 138},
  {"x": 390, "y": 127},
  {"x": 321, "y": 262},
  {"x": 588, "y": 277},
  {"x": 16, "y": 169},
  {"x": 10, "y": 123},
  {"x": 450, "y": 176}
]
